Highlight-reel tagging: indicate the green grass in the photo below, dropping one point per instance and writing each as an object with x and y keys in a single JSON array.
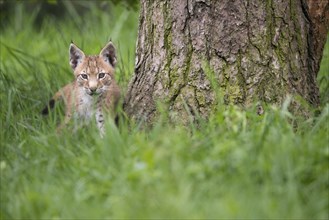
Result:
[{"x": 237, "y": 165}]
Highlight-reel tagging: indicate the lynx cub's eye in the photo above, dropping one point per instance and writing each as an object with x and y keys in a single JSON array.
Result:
[
  {"x": 84, "y": 76},
  {"x": 101, "y": 75}
]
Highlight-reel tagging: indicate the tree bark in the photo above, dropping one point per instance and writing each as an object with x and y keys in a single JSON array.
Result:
[
  {"x": 251, "y": 50},
  {"x": 319, "y": 18}
]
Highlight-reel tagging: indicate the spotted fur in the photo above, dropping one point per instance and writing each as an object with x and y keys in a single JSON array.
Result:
[{"x": 93, "y": 93}]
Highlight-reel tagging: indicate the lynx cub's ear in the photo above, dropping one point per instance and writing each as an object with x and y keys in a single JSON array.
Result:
[
  {"x": 76, "y": 56},
  {"x": 108, "y": 54}
]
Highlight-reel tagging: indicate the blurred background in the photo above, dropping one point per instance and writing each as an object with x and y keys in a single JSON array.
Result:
[
  {"x": 58, "y": 8},
  {"x": 38, "y": 33}
]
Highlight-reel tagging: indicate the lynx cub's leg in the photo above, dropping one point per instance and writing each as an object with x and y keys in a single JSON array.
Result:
[
  {"x": 64, "y": 123},
  {"x": 100, "y": 121}
]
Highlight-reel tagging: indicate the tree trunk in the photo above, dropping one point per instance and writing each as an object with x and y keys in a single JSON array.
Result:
[
  {"x": 250, "y": 50},
  {"x": 319, "y": 17}
]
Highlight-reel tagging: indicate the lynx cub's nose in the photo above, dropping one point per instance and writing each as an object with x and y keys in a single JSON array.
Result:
[
  {"x": 92, "y": 87},
  {"x": 92, "y": 91}
]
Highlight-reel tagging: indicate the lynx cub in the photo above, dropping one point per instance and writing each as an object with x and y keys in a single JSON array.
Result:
[{"x": 94, "y": 92}]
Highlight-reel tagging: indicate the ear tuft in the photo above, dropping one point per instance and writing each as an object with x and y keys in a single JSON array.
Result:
[
  {"x": 108, "y": 54},
  {"x": 76, "y": 56}
]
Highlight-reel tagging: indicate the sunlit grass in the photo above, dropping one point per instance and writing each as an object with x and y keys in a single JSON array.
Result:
[{"x": 237, "y": 165}]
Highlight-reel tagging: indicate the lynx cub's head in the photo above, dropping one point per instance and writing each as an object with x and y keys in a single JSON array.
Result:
[{"x": 93, "y": 73}]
